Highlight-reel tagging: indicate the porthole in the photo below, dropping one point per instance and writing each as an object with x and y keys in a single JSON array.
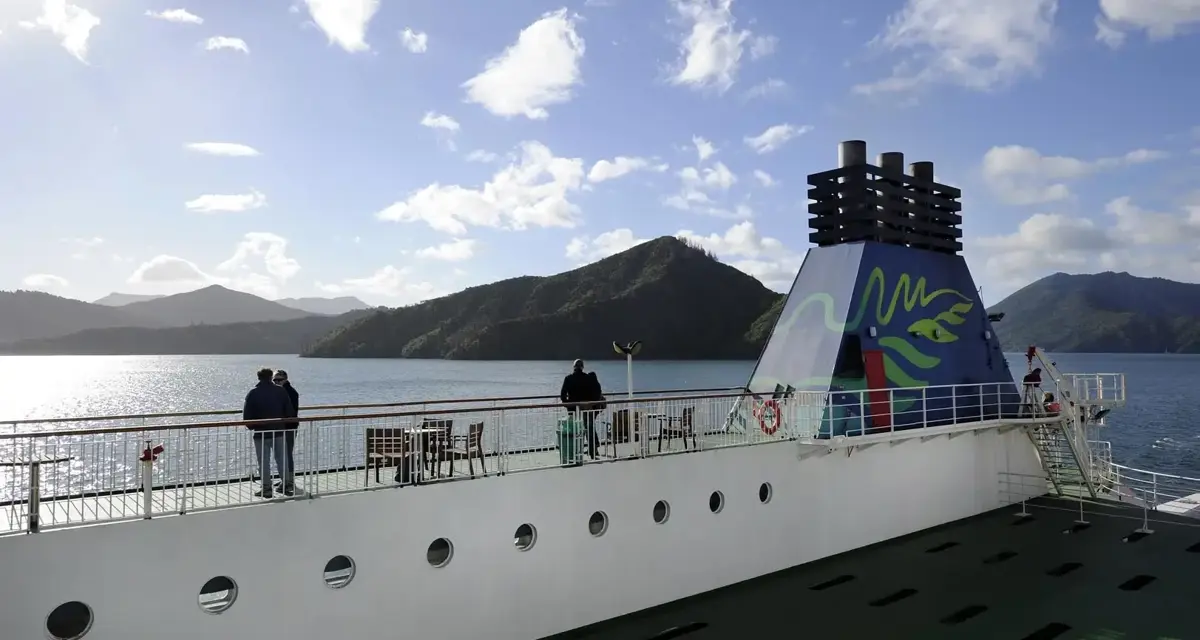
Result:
[
  {"x": 69, "y": 620},
  {"x": 764, "y": 492},
  {"x": 524, "y": 538},
  {"x": 339, "y": 571},
  {"x": 598, "y": 524},
  {"x": 217, "y": 595},
  {"x": 439, "y": 553},
  {"x": 716, "y": 502},
  {"x": 662, "y": 511}
]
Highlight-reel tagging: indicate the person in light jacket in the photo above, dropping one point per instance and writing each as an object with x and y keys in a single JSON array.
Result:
[{"x": 269, "y": 401}]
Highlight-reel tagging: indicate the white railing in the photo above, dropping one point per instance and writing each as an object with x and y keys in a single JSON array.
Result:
[
  {"x": 66, "y": 477},
  {"x": 185, "y": 417},
  {"x": 1096, "y": 388}
]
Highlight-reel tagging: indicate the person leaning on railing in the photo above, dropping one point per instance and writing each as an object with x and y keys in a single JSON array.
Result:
[
  {"x": 269, "y": 401},
  {"x": 578, "y": 389}
]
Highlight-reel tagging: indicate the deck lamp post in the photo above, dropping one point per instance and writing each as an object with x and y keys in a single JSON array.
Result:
[{"x": 629, "y": 351}]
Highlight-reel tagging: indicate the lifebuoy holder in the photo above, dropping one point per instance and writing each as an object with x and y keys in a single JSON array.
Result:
[{"x": 768, "y": 416}]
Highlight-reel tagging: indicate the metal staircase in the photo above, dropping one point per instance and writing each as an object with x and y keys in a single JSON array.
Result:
[{"x": 1061, "y": 446}]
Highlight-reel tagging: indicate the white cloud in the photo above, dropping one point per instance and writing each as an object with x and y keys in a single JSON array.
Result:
[
  {"x": 479, "y": 155},
  {"x": 619, "y": 166},
  {"x": 537, "y": 71},
  {"x": 532, "y": 191},
  {"x": 1107, "y": 35},
  {"x": 270, "y": 247},
  {"x": 216, "y": 43},
  {"x": 181, "y": 16},
  {"x": 762, "y": 46},
  {"x": 388, "y": 282},
  {"x": 979, "y": 44},
  {"x": 717, "y": 176},
  {"x": 456, "y": 250},
  {"x": 775, "y": 137},
  {"x": 87, "y": 243},
  {"x": 1128, "y": 237},
  {"x": 711, "y": 51},
  {"x": 764, "y": 178},
  {"x": 745, "y": 249},
  {"x": 766, "y": 88},
  {"x": 44, "y": 282},
  {"x": 84, "y": 246},
  {"x": 344, "y": 21},
  {"x": 435, "y": 120},
  {"x": 583, "y": 249},
  {"x": 696, "y": 184},
  {"x": 704, "y": 148},
  {"x": 165, "y": 269},
  {"x": 169, "y": 273},
  {"x": 230, "y": 149},
  {"x": 414, "y": 41},
  {"x": 214, "y": 203},
  {"x": 71, "y": 24},
  {"x": 1022, "y": 175},
  {"x": 1160, "y": 19}
]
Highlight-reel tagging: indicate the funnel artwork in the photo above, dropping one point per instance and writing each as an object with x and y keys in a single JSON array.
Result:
[{"x": 883, "y": 302}]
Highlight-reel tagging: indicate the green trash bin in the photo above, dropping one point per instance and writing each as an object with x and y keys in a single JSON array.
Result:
[{"x": 567, "y": 442}]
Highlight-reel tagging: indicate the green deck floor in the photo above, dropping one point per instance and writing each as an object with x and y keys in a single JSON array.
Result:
[{"x": 981, "y": 578}]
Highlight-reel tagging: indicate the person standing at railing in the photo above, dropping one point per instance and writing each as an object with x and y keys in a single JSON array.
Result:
[
  {"x": 578, "y": 389},
  {"x": 289, "y": 435},
  {"x": 269, "y": 401}
]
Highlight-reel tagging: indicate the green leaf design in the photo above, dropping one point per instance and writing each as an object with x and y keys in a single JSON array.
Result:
[
  {"x": 931, "y": 329},
  {"x": 910, "y": 353}
]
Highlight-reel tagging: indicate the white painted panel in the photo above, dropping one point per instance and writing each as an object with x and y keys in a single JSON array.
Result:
[{"x": 142, "y": 578}]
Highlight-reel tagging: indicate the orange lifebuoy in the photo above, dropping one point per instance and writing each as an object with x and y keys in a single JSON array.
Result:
[{"x": 768, "y": 427}]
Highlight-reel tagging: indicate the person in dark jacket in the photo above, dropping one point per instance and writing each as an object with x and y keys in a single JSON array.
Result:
[
  {"x": 268, "y": 401},
  {"x": 578, "y": 388},
  {"x": 289, "y": 435}
]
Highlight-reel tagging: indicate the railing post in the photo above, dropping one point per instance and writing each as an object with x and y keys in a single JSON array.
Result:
[
  {"x": 924, "y": 406},
  {"x": 35, "y": 495},
  {"x": 148, "y": 481}
]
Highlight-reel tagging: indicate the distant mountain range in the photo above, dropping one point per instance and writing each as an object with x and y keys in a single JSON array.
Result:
[
  {"x": 1102, "y": 313},
  {"x": 678, "y": 299},
  {"x": 32, "y": 315},
  {"x": 279, "y": 336},
  {"x": 323, "y": 306}
]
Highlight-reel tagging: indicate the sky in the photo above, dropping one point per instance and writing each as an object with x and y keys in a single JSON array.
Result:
[{"x": 399, "y": 150}]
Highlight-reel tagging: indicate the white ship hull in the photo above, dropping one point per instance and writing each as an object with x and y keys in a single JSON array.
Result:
[{"x": 141, "y": 579}]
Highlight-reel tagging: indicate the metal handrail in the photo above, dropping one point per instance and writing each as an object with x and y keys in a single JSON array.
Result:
[
  {"x": 323, "y": 407},
  {"x": 359, "y": 416},
  {"x": 680, "y": 395}
]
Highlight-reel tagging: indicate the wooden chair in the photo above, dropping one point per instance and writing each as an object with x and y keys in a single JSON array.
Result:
[
  {"x": 384, "y": 445},
  {"x": 472, "y": 447},
  {"x": 437, "y": 443},
  {"x": 624, "y": 428},
  {"x": 680, "y": 426}
]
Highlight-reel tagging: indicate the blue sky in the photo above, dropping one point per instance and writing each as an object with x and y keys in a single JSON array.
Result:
[{"x": 402, "y": 149}]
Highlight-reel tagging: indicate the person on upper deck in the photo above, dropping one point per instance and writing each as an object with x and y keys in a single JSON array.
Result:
[
  {"x": 269, "y": 401},
  {"x": 289, "y": 435},
  {"x": 579, "y": 388}
]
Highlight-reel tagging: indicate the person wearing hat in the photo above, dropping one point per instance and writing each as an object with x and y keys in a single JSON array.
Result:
[
  {"x": 579, "y": 391},
  {"x": 289, "y": 435}
]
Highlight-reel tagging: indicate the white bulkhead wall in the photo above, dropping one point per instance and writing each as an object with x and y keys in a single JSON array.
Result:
[{"x": 141, "y": 579}]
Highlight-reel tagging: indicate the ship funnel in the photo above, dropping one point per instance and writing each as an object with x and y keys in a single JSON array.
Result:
[{"x": 852, "y": 153}]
